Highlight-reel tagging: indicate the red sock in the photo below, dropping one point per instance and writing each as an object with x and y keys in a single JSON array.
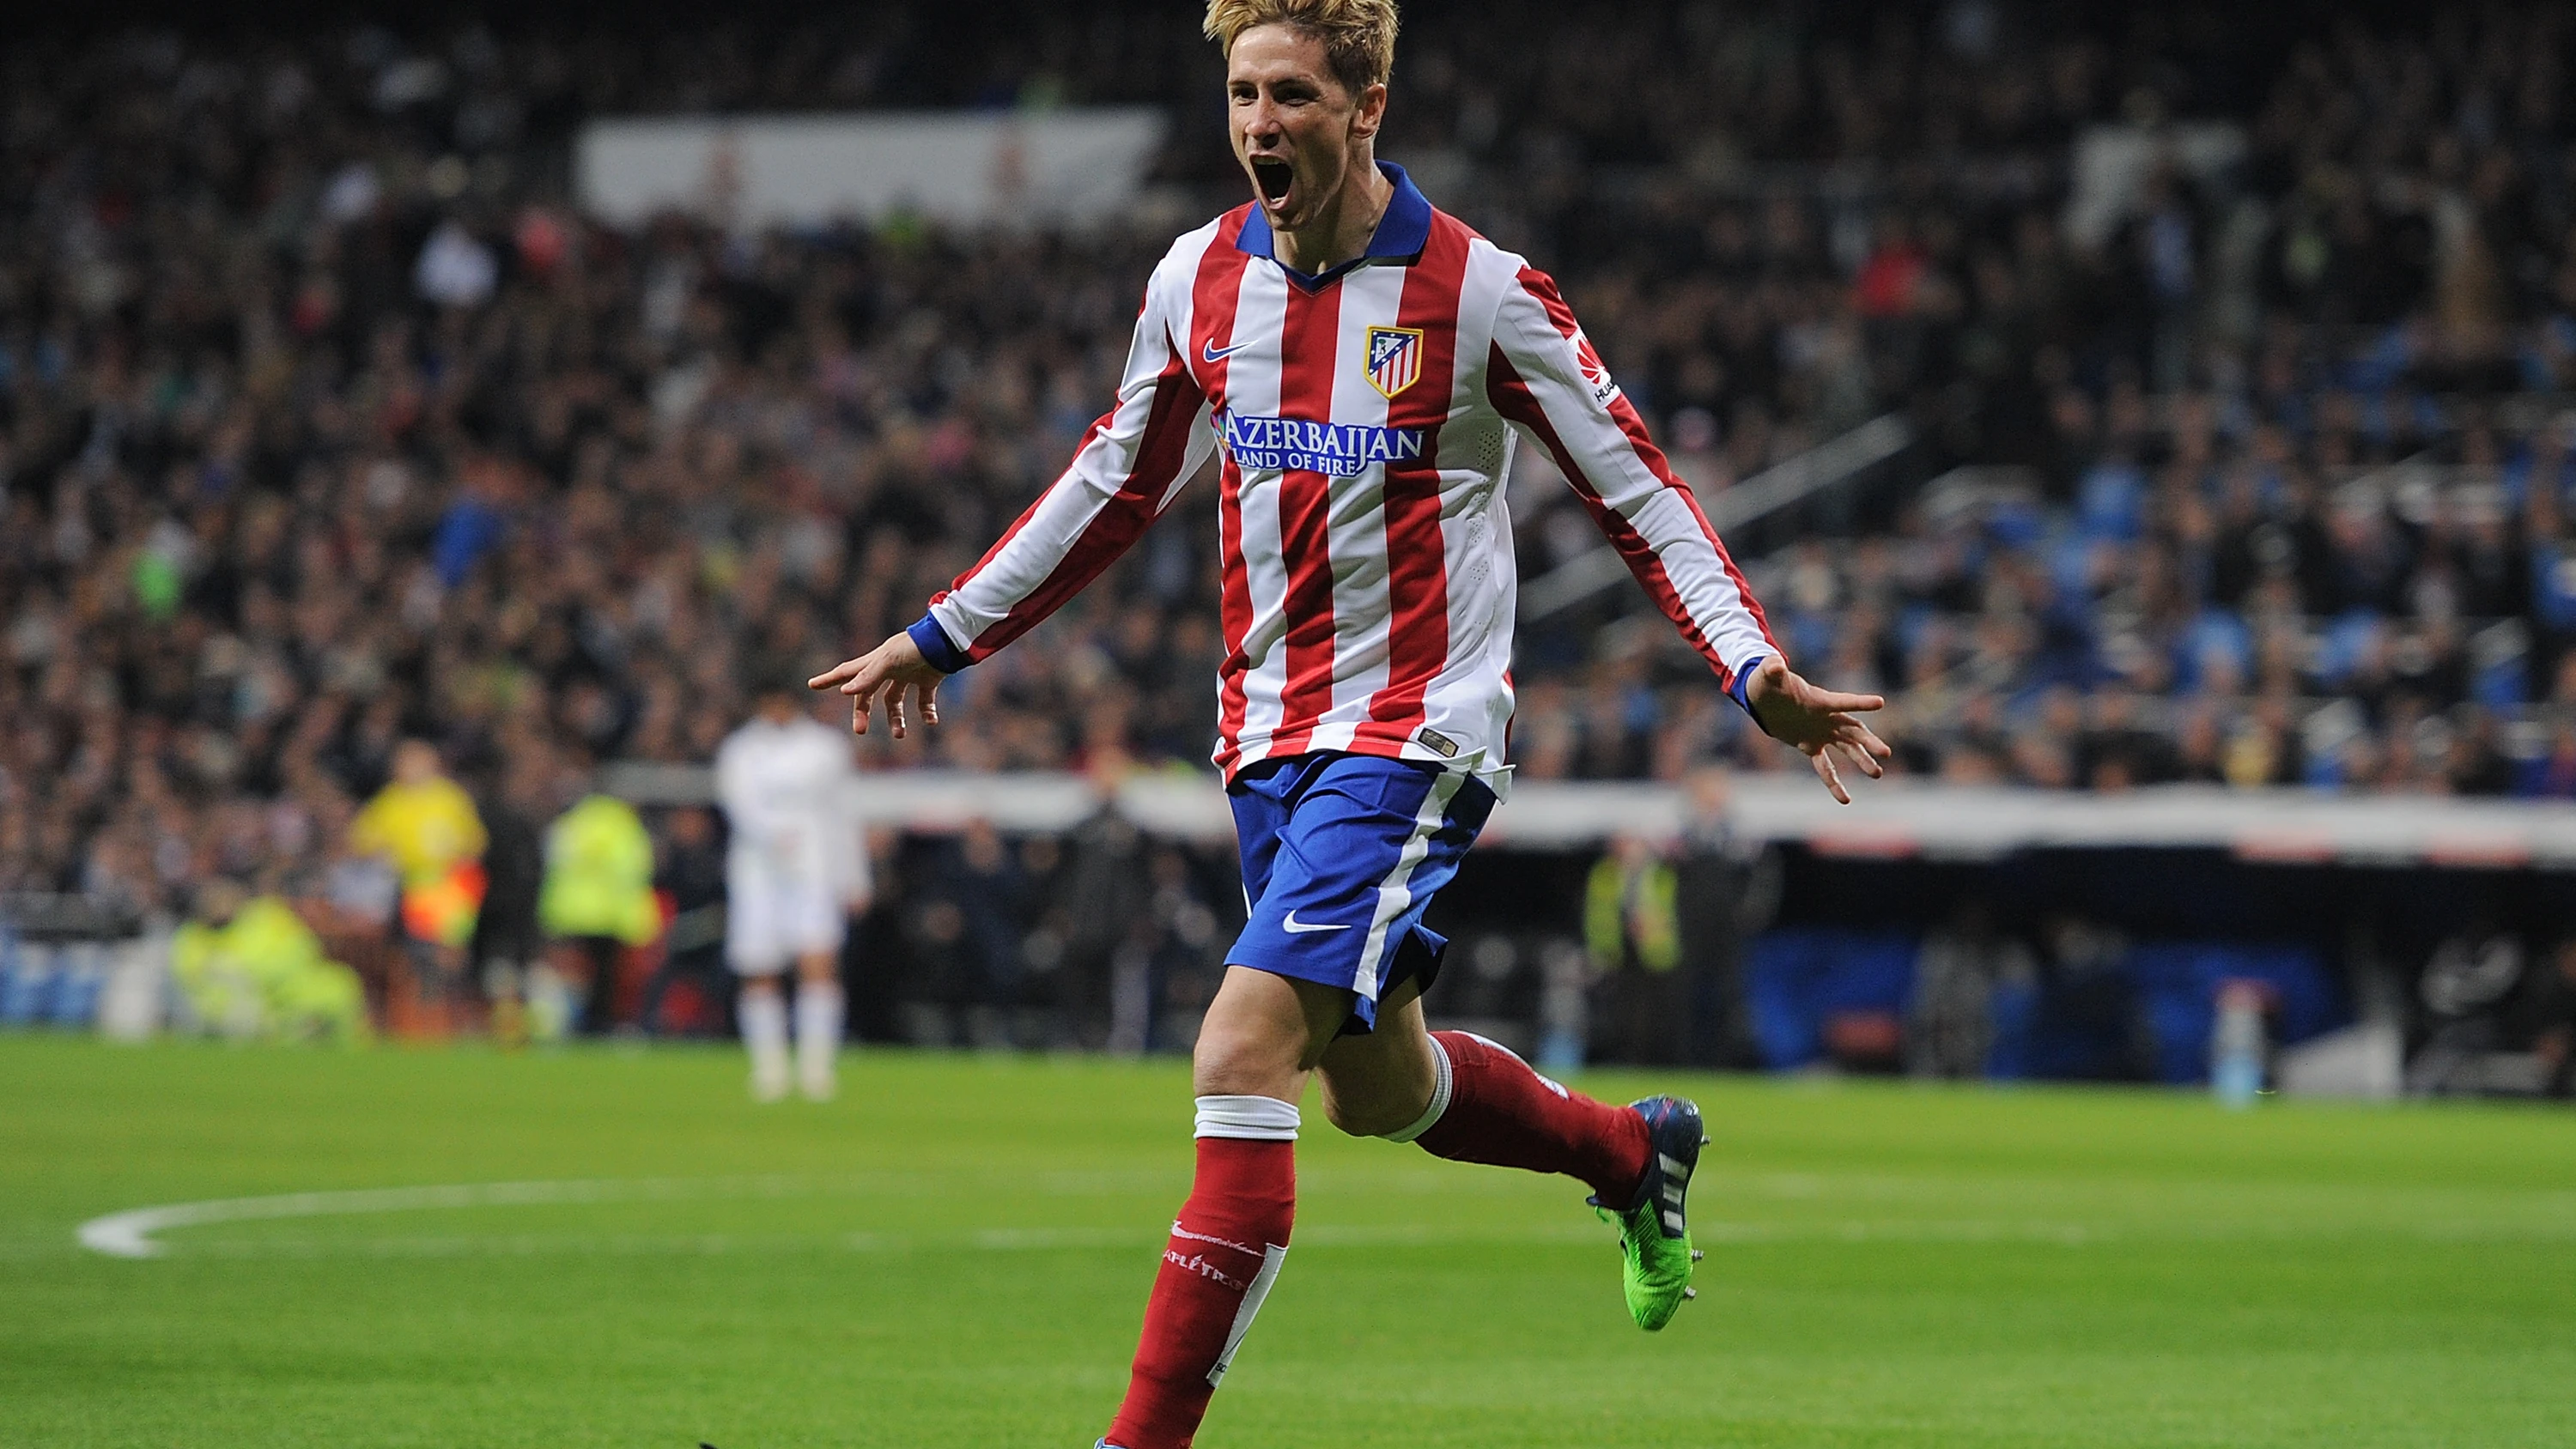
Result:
[
  {"x": 1225, "y": 1250},
  {"x": 1501, "y": 1112}
]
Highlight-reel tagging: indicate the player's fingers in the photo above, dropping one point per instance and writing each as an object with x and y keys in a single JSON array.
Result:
[
  {"x": 1827, "y": 699},
  {"x": 1861, "y": 759},
  {"x": 1871, "y": 742},
  {"x": 927, "y": 696},
  {"x": 835, "y": 674},
  {"x": 917, "y": 707},
  {"x": 1825, "y": 771},
  {"x": 1852, "y": 732},
  {"x": 861, "y": 702},
  {"x": 864, "y": 676},
  {"x": 894, "y": 708}
]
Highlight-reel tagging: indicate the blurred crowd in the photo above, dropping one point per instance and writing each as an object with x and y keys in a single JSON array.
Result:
[
  {"x": 327, "y": 422},
  {"x": 2257, "y": 475}
]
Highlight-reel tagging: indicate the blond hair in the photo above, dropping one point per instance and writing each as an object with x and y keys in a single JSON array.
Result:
[{"x": 1358, "y": 35}]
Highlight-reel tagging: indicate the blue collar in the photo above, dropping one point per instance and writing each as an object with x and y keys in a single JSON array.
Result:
[{"x": 1401, "y": 234}]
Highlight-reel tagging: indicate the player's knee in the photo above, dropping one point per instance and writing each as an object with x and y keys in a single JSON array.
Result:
[
  {"x": 1365, "y": 1117},
  {"x": 1233, "y": 1060}
]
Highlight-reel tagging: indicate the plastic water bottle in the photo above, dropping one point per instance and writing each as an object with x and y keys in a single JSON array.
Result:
[
  {"x": 2236, "y": 1046},
  {"x": 549, "y": 1004},
  {"x": 1563, "y": 1014}
]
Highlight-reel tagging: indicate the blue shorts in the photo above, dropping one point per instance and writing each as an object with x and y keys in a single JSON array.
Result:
[{"x": 1341, "y": 853}]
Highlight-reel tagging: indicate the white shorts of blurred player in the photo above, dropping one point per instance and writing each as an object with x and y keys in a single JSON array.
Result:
[{"x": 771, "y": 920}]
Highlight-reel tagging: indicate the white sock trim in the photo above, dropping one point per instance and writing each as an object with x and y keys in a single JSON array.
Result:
[
  {"x": 764, "y": 1034},
  {"x": 1544, "y": 1080},
  {"x": 1255, "y": 1119},
  {"x": 818, "y": 1020},
  {"x": 764, "y": 1023},
  {"x": 1440, "y": 1087}
]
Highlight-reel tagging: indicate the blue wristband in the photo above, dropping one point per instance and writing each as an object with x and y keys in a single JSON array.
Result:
[
  {"x": 935, "y": 647},
  {"x": 1743, "y": 684}
]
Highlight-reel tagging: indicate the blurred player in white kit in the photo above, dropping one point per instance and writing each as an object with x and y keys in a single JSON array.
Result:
[{"x": 797, "y": 871}]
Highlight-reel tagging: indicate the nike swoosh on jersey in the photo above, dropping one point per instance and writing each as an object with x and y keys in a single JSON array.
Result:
[
  {"x": 1210, "y": 352},
  {"x": 1295, "y": 927}
]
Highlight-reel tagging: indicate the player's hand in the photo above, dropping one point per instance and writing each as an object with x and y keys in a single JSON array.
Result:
[
  {"x": 895, "y": 668},
  {"x": 1820, "y": 722}
]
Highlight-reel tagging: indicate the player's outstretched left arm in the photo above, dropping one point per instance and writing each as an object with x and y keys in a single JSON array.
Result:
[
  {"x": 895, "y": 668},
  {"x": 1822, "y": 723},
  {"x": 1545, "y": 378}
]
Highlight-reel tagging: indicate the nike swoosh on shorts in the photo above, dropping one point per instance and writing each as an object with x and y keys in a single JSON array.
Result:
[
  {"x": 1296, "y": 927},
  {"x": 1210, "y": 352}
]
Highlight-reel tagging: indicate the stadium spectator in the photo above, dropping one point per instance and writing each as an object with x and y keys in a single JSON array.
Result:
[
  {"x": 690, "y": 876},
  {"x": 1631, "y": 927},
  {"x": 1181, "y": 952},
  {"x": 1950, "y": 1029},
  {"x": 598, "y": 904},
  {"x": 1725, "y": 889},
  {"x": 508, "y": 948},
  {"x": 250, "y": 967},
  {"x": 2554, "y": 1020},
  {"x": 1188, "y": 950},
  {"x": 966, "y": 919},
  {"x": 1094, "y": 909}
]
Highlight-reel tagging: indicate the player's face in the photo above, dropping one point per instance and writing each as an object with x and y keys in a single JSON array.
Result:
[{"x": 1296, "y": 131}]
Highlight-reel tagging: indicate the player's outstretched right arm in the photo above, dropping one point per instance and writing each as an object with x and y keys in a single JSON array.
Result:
[
  {"x": 1127, "y": 469},
  {"x": 1125, "y": 472}
]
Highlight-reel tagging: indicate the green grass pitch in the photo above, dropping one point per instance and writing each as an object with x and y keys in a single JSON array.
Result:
[{"x": 956, "y": 1254}]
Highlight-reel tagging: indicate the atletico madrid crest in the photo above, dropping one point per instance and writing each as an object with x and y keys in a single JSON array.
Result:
[{"x": 1394, "y": 358}]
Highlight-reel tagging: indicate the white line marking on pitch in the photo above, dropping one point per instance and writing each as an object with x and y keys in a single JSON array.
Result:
[{"x": 129, "y": 1234}]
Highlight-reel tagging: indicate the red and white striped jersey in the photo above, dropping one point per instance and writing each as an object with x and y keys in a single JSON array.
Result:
[{"x": 1364, "y": 422}]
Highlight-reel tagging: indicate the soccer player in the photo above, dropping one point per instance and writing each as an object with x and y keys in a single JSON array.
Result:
[
  {"x": 1362, "y": 366},
  {"x": 795, "y": 873}
]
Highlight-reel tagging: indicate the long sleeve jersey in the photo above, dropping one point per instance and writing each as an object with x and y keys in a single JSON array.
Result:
[{"x": 1365, "y": 421}]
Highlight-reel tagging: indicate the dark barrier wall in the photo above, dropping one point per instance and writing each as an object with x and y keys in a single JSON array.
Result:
[{"x": 2103, "y": 964}]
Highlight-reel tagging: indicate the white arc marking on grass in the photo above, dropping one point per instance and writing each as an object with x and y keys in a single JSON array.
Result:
[{"x": 129, "y": 1234}]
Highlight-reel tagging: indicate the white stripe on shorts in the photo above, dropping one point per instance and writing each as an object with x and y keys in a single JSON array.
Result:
[{"x": 1393, "y": 893}]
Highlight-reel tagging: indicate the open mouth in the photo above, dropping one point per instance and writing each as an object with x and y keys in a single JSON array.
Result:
[{"x": 1273, "y": 177}]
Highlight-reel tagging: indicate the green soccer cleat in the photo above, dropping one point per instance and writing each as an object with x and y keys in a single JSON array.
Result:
[{"x": 1654, "y": 1232}]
